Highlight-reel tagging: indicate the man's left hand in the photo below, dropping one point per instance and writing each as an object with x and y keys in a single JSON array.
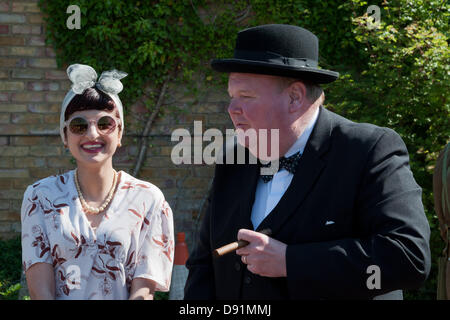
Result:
[{"x": 263, "y": 255}]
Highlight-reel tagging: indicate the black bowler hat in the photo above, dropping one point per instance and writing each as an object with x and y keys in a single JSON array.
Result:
[{"x": 277, "y": 49}]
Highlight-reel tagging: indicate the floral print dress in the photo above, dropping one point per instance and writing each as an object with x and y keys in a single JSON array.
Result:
[{"x": 134, "y": 239}]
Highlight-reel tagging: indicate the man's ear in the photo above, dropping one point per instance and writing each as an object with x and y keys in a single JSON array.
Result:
[{"x": 297, "y": 95}]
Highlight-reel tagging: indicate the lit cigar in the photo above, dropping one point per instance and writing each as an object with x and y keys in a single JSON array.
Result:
[{"x": 236, "y": 245}]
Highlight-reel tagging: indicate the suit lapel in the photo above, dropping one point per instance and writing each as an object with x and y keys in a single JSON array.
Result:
[{"x": 308, "y": 171}]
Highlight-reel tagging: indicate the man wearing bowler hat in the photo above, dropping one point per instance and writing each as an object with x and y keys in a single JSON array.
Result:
[{"x": 344, "y": 210}]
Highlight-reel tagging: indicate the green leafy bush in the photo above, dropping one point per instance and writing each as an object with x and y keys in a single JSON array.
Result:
[
  {"x": 11, "y": 268},
  {"x": 148, "y": 40}
]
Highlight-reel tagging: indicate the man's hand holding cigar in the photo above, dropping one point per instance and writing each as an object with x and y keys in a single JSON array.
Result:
[{"x": 263, "y": 255}]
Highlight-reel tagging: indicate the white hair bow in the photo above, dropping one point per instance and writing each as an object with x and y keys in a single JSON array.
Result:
[{"x": 84, "y": 76}]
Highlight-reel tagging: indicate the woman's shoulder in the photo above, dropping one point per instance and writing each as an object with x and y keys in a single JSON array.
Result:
[
  {"x": 128, "y": 182},
  {"x": 53, "y": 184}
]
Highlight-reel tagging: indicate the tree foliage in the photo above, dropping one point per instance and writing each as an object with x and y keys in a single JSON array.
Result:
[
  {"x": 148, "y": 39},
  {"x": 10, "y": 272}
]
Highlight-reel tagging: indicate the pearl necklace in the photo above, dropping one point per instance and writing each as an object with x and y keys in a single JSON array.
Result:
[{"x": 92, "y": 210}]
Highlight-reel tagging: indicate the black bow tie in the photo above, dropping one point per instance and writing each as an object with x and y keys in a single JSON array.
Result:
[{"x": 289, "y": 163}]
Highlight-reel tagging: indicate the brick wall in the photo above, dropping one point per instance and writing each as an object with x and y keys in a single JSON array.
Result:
[{"x": 31, "y": 91}]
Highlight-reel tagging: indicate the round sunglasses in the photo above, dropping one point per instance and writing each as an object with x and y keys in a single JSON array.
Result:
[{"x": 79, "y": 125}]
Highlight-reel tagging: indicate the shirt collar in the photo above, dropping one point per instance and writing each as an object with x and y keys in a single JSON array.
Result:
[{"x": 300, "y": 143}]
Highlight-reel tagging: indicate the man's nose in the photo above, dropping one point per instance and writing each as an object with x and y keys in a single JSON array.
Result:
[{"x": 234, "y": 107}]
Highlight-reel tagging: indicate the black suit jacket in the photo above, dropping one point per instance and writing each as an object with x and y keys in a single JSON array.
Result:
[{"x": 355, "y": 175}]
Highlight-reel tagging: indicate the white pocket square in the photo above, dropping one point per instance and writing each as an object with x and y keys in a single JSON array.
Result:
[{"x": 329, "y": 222}]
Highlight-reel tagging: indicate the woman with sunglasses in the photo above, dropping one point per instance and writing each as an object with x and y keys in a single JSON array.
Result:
[{"x": 93, "y": 232}]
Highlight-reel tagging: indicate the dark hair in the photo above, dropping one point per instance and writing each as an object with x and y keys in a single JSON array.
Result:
[{"x": 91, "y": 99}]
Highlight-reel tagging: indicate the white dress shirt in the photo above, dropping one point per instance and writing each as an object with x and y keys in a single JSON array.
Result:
[{"x": 268, "y": 194}]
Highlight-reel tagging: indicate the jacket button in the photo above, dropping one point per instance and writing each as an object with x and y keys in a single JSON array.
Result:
[
  {"x": 237, "y": 266},
  {"x": 247, "y": 280}
]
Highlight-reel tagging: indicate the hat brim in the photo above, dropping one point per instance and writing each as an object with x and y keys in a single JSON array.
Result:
[{"x": 313, "y": 75}]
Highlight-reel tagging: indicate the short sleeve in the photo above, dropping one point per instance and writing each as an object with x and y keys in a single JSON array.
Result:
[
  {"x": 35, "y": 243},
  {"x": 156, "y": 247}
]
